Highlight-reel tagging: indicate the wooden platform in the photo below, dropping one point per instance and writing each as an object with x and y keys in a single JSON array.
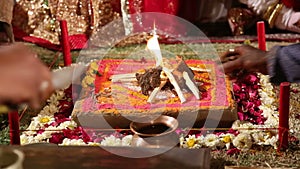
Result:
[{"x": 49, "y": 157}]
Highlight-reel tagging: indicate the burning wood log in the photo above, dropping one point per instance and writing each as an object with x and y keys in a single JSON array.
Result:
[
  {"x": 154, "y": 79},
  {"x": 180, "y": 76},
  {"x": 149, "y": 80}
]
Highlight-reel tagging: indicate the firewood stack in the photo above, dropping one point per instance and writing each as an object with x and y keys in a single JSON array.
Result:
[{"x": 177, "y": 76}]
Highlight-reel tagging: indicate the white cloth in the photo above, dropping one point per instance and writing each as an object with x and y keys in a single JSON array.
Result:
[
  {"x": 288, "y": 19},
  {"x": 258, "y": 6}
]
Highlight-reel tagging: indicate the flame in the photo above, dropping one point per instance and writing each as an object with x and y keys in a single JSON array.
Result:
[{"x": 154, "y": 48}]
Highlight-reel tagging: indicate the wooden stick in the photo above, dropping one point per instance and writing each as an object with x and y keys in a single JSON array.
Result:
[
  {"x": 196, "y": 69},
  {"x": 175, "y": 84},
  {"x": 123, "y": 76},
  {"x": 191, "y": 85},
  {"x": 129, "y": 77},
  {"x": 155, "y": 92},
  {"x": 124, "y": 80}
]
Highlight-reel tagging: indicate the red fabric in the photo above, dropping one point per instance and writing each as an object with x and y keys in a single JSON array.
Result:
[
  {"x": 189, "y": 10},
  {"x": 77, "y": 42},
  {"x": 164, "y": 23},
  {"x": 164, "y": 6},
  {"x": 295, "y": 4},
  {"x": 171, "y": 6},
  {"x": 116, "y": 5},
  {"x": 133, "y": 8},
  {"x": 153, "y": 5}
]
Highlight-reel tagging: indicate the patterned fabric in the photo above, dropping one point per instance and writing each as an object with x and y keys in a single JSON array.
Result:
[
  {"x": 165, "y": 6},
  {"x": 295, "y": 4},
  {"x": 6, "y": 11},
  {"x": 40, "y": 18},
  {"x": 284, "y": 63}
]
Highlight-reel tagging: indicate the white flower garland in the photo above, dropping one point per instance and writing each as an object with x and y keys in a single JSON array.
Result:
[
  {"x": 43, "y": 120},
  {"x": 249, "y": 134}
]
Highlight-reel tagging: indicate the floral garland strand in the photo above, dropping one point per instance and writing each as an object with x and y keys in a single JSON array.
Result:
[
  {"x": 54, "y": 124},
  {"x": 258, "y": 119},
  {"x": 269, "y": 105}
]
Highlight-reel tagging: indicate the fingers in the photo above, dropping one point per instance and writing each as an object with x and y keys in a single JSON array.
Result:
[
  {"x": 29, "y": 89},
  {"x": 35, "y": 101},
  {"x": 46, "y": 86},
  {"x": 41, "y": 92},
  {"x": 33, "y": 93},
  {"x": 231, "y": 60},
  {"x": 229, "y": 55},
  {"x": 44, "y": 81},
  {"x": 232, "y": 65}
]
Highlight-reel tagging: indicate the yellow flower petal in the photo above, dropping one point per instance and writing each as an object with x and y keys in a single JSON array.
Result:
[
  {"x": 44, "y": 120},
  {"x": 226, "y": 139},
  {"x": 191, "y": 142}
]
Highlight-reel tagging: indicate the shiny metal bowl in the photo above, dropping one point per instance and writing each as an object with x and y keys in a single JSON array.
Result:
[
  {"x": 166, "y": 125},
  {"x": 157, "y": 133},
  {"x": 11, "y": 159}
]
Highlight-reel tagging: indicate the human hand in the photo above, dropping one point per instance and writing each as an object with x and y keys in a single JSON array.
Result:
[
  {"x": 24, "y": 78},
  {"x": 245, "y": 58},
  {"x": 288, "y": 20}
]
